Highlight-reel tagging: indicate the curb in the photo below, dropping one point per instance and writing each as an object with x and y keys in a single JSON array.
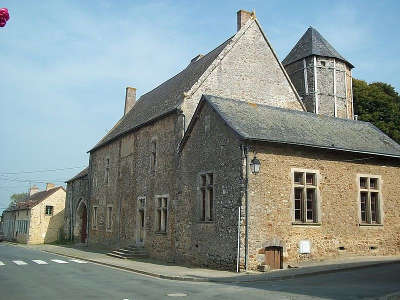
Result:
[{"x": 221, "y": 280}]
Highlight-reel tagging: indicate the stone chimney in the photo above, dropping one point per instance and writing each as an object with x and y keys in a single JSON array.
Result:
[
  {"x": 242, "y": 17},
  {"x": 130, "y": 99},
  {"x": 34, "y": 189},
  {"x": 50, "y": 186}
]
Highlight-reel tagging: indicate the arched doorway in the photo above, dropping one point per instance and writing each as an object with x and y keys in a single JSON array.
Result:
[{"x": 80, "y": 228}]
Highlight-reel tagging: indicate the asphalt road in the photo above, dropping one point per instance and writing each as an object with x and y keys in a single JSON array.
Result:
[{"x": 31, "y": 274}]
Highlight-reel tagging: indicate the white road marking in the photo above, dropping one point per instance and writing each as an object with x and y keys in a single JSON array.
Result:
[
  {"x": 177, "y": 295},
  {"x": 19, "y": 262},
  {"x": 39, "y": 262},
  {"x": 79, "y": 261},
  {"x": 1, "y": 263},
  {"x": 59, "y": 261}
]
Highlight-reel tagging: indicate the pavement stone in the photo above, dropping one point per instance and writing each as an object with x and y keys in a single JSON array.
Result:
[{"x": 164, "y": 270}]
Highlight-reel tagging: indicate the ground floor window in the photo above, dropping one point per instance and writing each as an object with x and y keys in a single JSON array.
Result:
[
  {"x": 369, "y": 195},
  {"x": 161, "y": 214},
  {"x": 305, "y": 191}
]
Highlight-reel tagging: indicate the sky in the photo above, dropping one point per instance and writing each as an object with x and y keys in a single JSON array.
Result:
[{"x": 65, "y": 65}]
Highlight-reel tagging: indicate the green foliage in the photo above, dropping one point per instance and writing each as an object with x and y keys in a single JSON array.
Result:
[
  {"x": 15, "y": 198},
  {"x": 378, "y": 103}
]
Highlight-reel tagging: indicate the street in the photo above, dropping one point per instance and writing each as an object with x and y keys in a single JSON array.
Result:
[{"x": 32, "y": 274}]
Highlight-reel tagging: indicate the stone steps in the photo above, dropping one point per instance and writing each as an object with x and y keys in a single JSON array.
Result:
[{"x": 129, "y": 252}]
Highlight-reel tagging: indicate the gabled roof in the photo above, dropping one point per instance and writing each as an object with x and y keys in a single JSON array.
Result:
[
  {"x": 312, "y": 43},
  {"x": 35, "y": 199},
  {"x": 278, "y": 125},
  {"x": 81, "y": 174},
  {"x": 164, "y": 99}
]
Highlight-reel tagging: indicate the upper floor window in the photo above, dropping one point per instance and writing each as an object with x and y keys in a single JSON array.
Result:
[
  {"x": 369, "y": 195},
  {"x": 207, "y": 197},
  {"x": 49, "y": 210},
  {"x": 153, "y": 157},
  {"x": 107, "y": 170},
  {"x": 305, "y": 191},
  {"x": 161, "y": 214}
]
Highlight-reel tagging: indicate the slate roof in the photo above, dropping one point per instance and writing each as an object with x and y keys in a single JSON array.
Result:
[
  {"x": 35, "y": 199},
  {"x": 81, "y": 174},
  {"x": 272, "y": 124},
  {"x": 162, "y": 100},
  {"x": 312, "y": 43}
]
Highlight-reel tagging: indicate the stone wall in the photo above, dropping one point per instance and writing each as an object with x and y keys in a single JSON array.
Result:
[
  {"x": 271, "y": 205},
  {"x": 248, "y": 71},
  {"x": 77, "y": 191},
  {"x": 212, "y": 148},
  {"x": 325, "y": 68},
  {"x": 130, "y": 177},
  {"x": 46, "y": 228}
]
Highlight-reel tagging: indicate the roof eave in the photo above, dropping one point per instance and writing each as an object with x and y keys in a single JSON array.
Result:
[{"x": 321, "y": 147}]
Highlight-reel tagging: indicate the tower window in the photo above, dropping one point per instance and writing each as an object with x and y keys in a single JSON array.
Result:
[{"x": 323, "y": 63}]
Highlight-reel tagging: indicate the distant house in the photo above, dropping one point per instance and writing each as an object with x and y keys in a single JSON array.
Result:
[{"x": 37, "y": 220}]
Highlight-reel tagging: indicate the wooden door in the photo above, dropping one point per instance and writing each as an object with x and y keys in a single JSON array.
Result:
[
  {"x": 273, "y": 257},
  {"x": 84, "y": 225}
]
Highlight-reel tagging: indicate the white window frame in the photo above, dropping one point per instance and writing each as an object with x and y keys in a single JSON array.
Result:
[
  {"x": 161, "y": 213},
  {"x": 206, "y": 197},
  {"x": 369, "y": 191},
  {"x": 304, "y": 186},
  {"x": 109, "y": 218}
]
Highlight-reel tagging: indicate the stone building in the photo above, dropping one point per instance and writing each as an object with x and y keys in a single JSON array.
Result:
[
  {"x": 322, "y": 77},
  {"x": 39, "y": 219},
  {"x": 326, "y": 187},
  {"x": 170, "y": 176},
  {"x": 76, "y": 216}
]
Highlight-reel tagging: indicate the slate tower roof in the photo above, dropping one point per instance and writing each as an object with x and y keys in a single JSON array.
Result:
[{"x": 312, "y": 43}]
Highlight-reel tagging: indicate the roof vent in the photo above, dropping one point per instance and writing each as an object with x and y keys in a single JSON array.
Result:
[{"x": 196, "y": 58}]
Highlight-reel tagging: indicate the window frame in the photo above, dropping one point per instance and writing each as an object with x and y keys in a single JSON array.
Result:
[
  {"x": 161, "y": 213},
  {"x": 153, "y": 154},
  {"x": 51, "y": 210},
  {"x": 304, "y": 186},
  {"x": 206, "y": 197},
  {"x": 95, "y": 217},
  {"x": 109, "y": 218},
  {"x": 369, "y": 191},
  {"x": 107, "y": 170}
]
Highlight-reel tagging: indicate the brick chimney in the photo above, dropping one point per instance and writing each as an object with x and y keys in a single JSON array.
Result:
[
  {"x": 34, "y": 189},
  {"x": 242, "y": 17},
  {"x": 130, "y": 99},
  {"x": 50, "y": 186}
]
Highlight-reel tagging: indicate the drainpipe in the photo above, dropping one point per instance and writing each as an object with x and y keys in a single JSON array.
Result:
[
  {"x": 245, "y": 150},
  {"x": 238, "y": 241}
]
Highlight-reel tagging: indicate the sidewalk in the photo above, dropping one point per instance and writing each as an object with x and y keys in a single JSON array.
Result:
[{"x": 164, "y": 270}]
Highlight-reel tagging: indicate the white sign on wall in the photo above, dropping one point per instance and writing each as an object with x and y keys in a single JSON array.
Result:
[{"x": 304, "y": 247}]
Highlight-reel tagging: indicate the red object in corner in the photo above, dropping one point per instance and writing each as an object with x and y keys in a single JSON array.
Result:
[{"x": 4, "y": 16}]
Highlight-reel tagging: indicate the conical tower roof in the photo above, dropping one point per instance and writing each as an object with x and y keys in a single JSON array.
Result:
[{"x": 312, "y": 43}]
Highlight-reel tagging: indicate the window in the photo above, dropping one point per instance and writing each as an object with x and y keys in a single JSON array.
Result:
[
  {"x": 305, "y": 196},
  {"x": 107, "y": 171},
  {"x": 369, "y": 193},
  {"x": 49, "y": 210},
  {"x": 323, "y": 63},
  {"x": 109, "y": 218},
  {"x": 207, "y": 197},
  {"x": 94, "y": 217},
  {"x": 153, "y": 157},
  {"x": 161, "y": 214}
]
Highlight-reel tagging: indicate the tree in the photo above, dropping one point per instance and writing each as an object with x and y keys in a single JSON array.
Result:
[
  {"x": 378, "y": 103},
  {"x": 15, "y": 198}
]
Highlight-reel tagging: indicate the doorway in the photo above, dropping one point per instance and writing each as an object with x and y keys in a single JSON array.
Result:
[
  {"x": 141, "y": 221},
  {"x": 273, "y": 257},
  {"x": 80, "y": 226}
]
